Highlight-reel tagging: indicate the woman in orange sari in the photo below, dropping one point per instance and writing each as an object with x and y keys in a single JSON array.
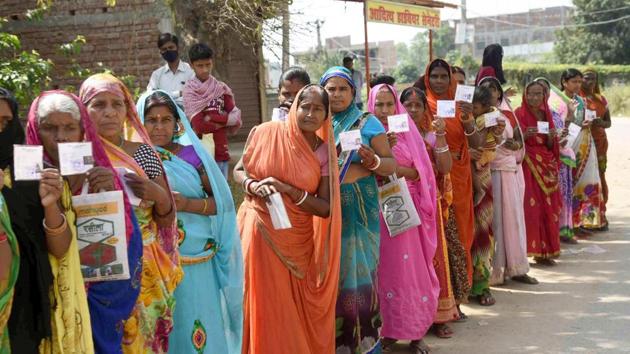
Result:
[
  {"x": 461, "y": 134},
  {"x": 113, "y": 111},
  {"x": 291, "y": 275},
  {"x": 595, "y": 101}
]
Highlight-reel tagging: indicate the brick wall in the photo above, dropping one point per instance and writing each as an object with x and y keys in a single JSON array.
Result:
[{"x": 123, "y": 38}]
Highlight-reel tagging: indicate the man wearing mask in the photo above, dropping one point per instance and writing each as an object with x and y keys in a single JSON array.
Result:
[{"x": 172, "y": 76}]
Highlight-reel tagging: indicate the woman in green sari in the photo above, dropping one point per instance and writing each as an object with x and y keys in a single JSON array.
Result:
[{"x": 358, "y": 319}]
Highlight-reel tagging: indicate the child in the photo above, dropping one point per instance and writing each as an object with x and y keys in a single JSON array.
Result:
[{"x": 209, "y": 104}]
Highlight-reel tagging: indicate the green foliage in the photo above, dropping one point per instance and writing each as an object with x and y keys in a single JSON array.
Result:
[
  {"x": 412, "y": 58},
  {"x": 443, "y": 41},
  {"x": 618, "y": 102},
  {"x": 605, "y": 43},
  {"x": 406, "y": 72},
  {"x": 519, "y": 73},
  {"x": 316, "y": 64},
  {"x": 466, "y": 62}
]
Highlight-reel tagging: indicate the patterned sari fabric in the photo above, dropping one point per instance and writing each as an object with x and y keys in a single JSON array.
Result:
[
  {"x": 291, "y": 275},
  {"x": 6, "y": 286},
  {"x": 358, "y": 317},
  {"x": 542, "y": 194},
  {"x": 408, "y": 287},
  {"x": 209, "y": 313},
  {"x": 151, "y": 321},
  {"x": 461, "y": 174},
  {"x": 597, "y": 102}
]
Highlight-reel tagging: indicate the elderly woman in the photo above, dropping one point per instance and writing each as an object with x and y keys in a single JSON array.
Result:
[
  {"x": 59, "y": 117},
  {"x": 210, "y": 248},
  {"x": 358, "y": 319},
  {"x": 111, "y": 108},
  {"x": 9, "y": 255}
]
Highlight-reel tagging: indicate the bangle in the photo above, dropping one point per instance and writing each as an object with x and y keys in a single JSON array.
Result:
[
  {"x": 440, "y": 134},
  {"x": 244, "y": 183},
  {"x": 377, "y": 165},
  {"x": 205, "y": 206},
  {"x": 303, "y": 199},
  {"x": 165, "y": 214},
  {"x": 471, "y": 133},
  {"x": 249, "y": 183},
  {"x": 441, "y": 150},
  {"x": 3, "y": 237},
  {"x": 56, "y": 231}
]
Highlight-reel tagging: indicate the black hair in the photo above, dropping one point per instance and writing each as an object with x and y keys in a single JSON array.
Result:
[
  {"x": 295, "y": 73},
  {"x": 568, "y": 75},
  {"x": 493, "y": 57},
  {"x": 347, "y": 59},
  {"x": 321, "y": 90},
  {"x": 406, "y": 94},
  {"x": 382, "y": 79},
  {"x": 420, "y": 83},
  {"x": 494, "y": 82},
  {"x": 200, "y": 51},
  {"x": 457, "y": 69},
  {"x": 167, "y": 37},
  {"x": 482, "y": 96},
  {"x": 440, "y": 63},
  {"x": 157, "y": 99},
  {"x": 13, "y": 134}
]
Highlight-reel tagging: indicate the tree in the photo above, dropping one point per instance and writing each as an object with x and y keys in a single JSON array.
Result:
[
  {"x": 606, "y": 43},
  {"x": 412, "y": 58}
]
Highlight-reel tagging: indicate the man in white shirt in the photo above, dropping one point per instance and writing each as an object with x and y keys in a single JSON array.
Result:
[
  {"x": 173, "y": 75},
  {"x": 357, "y": 77}
]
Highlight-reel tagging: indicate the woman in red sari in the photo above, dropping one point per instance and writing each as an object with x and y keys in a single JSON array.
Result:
[
  {"x": 461, "y": 134},
  {"x": 541, "y": 170},
  {"x": 595, "y": 101}
]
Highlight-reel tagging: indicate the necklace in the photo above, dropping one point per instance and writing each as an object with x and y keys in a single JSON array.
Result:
[{"x": 122, "y": 142}]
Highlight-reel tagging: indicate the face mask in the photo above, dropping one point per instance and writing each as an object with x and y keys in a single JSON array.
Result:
[{"x": 170, "y": 55}]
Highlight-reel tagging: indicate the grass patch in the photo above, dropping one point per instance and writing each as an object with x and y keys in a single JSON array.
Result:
[
  {"x": 237, "y": 193},
  {"x": 618, "y": 97}
]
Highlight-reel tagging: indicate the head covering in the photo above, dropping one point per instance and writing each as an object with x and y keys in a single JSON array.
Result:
[
  {"x": 13, "y": 133},
  {"x": 527, "y": 118},
  {"x": 427, "y": 118},
  {"x": 110, "y": 302},
  {"x": 337, "y": 71},
  {"x": 493, "y": 57},
  {"x": 400, "y": 109},
  {"x": 433, "y": 97},
  {"x": 596, "y": 89}
]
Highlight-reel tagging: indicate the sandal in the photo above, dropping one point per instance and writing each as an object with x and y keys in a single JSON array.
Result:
[
  {"x": 526, "y": 279},
  {"x": 462, "y": 316},
  {"x": 486, "y": 298},
  {"x": 569, "y": 241},
  {"x": 442, "y": 330},
  {"x": 545, "y": 261},
  {"x": 419, "y": 347}
]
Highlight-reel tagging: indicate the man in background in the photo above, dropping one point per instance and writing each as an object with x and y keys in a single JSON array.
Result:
[
  {"x": 357, "y": 77},
  {"x": 173, "y": 75}
]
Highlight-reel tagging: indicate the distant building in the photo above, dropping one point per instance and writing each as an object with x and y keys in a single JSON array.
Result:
[
  {"x": 526, "y": 34},
  {"x": 382, "y": 54}
]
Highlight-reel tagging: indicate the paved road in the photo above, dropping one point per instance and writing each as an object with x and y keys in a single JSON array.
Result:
[{"x": 581, "y": 305}]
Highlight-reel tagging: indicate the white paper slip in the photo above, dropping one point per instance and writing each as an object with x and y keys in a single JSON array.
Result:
[
  {"x": 574, "y": 129},
  {"x": 75, "y": 158},
  {"x": 28, "y": 162},
  {"x": 398, "y": 123},
  {"x": 350, "y": 140},
  {"x": 445, "y": 109},
  {"x": 492, "y": 118},
  {"x": 279, "y": 115},
  {"x": 133, "y": 200},
  {"x": 464, "y": 93},
  {"x": 590, "y": 115},
  {"x": 543, "y": 127},
  {"x": 278, "y": 212}
]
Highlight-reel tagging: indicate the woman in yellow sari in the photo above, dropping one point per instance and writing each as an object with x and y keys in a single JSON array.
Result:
[
  {"x": 291, "y": 275},
  {"x": 112, "y": 110}
]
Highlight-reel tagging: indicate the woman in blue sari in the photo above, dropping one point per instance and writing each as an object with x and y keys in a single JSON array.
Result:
[
  {"x": 208, "y": 317},
  {"x": 358, "y": 320}
]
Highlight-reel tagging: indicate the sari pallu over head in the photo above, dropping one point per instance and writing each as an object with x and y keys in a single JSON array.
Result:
[
  {"x": 228, "y": 257},
  {"x": 134, "y": 131},
  {"x": 411, "y": 143},
  {"x": 110, "y": 302},
  {"x": 311, "y": 249}
]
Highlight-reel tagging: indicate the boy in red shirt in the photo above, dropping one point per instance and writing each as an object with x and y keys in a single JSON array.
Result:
[{"x": 209, "y": 104}]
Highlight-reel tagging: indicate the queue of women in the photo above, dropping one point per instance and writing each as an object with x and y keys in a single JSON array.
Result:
[{"x": 204, "y": 279}]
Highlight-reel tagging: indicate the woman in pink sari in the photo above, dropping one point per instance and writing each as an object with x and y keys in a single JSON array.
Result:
[{"x": 408, "y": 287}]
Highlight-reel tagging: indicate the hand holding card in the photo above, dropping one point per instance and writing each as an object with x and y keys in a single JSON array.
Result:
[
  {"x": 590, "y": 115},
  {"x": 445, "y": 109},
  {"x": 350, "y": 140},
  {"x": 75, "y": 158},
  {"x": 543, "y": 127},
  {"x": 492, "y": 118},
  {"x": 28, "y": 162},
  {"x": 464, "y": 93},
  {"x": 398, "y": 123}
]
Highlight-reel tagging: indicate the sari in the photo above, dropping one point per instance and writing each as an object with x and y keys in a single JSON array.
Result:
[
  {"x": 291, "y": 275},
  {"x": 597, "y": 102},
  {"x": 151, "y": 321},
  {"x": 446, "y": 307},
  {"x": 210, "y": 297},
  {"x": 461, "y": 174},
  {"x": 542, "y": 196},
  {"x": 358, "y": 317},
  {"x": 6, "y": 287},
  {"x": 408, "y": 287}
]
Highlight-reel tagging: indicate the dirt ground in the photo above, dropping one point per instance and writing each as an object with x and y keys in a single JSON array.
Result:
[{"x": 581, "y": 305}]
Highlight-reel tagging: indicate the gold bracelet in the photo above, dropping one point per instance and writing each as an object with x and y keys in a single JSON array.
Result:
[
  {"x": 57, "y": 231},
  {"x": 205, "y": 206}
]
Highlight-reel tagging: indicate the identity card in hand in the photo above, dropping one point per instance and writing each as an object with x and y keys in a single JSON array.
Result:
[
  {"x": 28, "y": 162},
  {"x": 492, "y": 118},
  {"x": 75, "y": 158},
  {"x": 590, "y": 115},
  {"x": 350, "y": 140},
  {"x": 543, "y": 127},
  {"x": 133, "y": 200},
  {"x": 445, "y": 109},
  {"x": 464, "y": 93},
  {"x": 398, "y": 123}
]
